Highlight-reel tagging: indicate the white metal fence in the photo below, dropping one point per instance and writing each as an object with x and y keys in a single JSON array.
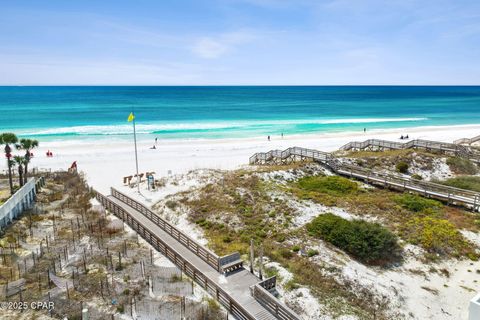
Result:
[{"x": 16, "y": 204}]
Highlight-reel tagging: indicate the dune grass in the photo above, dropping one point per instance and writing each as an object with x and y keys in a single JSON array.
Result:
[
  {"x": 464, "y": 182},
  {"x": 462, "y": 165}
]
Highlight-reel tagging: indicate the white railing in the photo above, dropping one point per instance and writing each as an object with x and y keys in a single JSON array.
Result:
[{"x": 16, "y": 204}]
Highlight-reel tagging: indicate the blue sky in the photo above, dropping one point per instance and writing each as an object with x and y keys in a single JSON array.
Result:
[{"x": 257, "y": 42}]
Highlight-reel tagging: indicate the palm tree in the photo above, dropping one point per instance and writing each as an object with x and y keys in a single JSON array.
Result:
[
  {"x": 7, "y": 139},
  {"x": 27, "y": 145},
  {"x": 20, "y": 161}
]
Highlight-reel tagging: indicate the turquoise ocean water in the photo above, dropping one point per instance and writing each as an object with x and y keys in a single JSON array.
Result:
[{"x": 60, "y": 113}]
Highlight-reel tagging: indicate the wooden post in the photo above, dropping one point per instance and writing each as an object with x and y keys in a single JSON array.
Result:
[
  {"x": 251, "y": 255},
  {"x": 261, "y": 263}
]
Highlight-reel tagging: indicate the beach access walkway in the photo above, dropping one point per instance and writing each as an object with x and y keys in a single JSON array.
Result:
[
  {"x": 242, "y": 293},
  {"x": 456, "y": 149},
  {"x": 451, "y": 195}
]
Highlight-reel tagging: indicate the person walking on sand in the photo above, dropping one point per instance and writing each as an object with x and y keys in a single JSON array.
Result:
[
  {"x": 364, "y": 130},
  {"x": 282, "y": 135},
  {"x": 156, "y": 140},
  {"x": 268, "y": 137}
]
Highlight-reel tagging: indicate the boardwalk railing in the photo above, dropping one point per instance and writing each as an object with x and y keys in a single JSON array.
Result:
[
  {"x": 233, "y": 306},
  {"x": 458, "y": 196},
  {"x": 429, "y": 189},
  {"x": 425, "y": 144},
  {"x": 269, "y": 283},
  {"x": 264, "y": 157},
  {"x": 206, "y": 255},
  {"x": 17, "y": 203},
  {"x": 270, "y": 302},
  {"x": 468, "y": 141}
]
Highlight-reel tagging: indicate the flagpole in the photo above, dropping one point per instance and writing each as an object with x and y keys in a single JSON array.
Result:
[{"x": 136, "y": 156}]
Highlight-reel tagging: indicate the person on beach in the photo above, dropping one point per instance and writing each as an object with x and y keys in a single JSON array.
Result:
[
  {"x": 153, "y": 147},
  {"x": 268, "y": 137},
  {"x": 364, "y": 130},
  {"x": 156, "y": 140},
  {"x": 401, "y": 137},
  {"x": 282, "y": 135}
]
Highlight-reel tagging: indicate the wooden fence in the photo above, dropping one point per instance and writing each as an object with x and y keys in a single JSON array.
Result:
[
  {"x": 457, "y": 149},
  {"x": 451, "y": 195},
  {"x": 206, "y": 255},
  {"x": 268, "y": 301},
  {"x": 189, "y": 269}
]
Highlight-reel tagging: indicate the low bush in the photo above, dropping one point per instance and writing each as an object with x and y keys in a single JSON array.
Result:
[
  {"x": 466, "y": 182},
  {"x": 417, "y": 176},
  {"x": 402, "y": 167},
  {"x": 369, "y": 242},
  {"x": 416, "y": 203},
  {"x": 332, "y": 185},
  {"x": 437, "y": 236},
  {"x": 462, "y": 165}
]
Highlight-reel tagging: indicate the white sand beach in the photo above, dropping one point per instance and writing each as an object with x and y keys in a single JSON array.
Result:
[{"x": 106, "y": 162}]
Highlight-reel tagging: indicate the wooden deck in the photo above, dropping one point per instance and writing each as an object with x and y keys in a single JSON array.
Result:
[
  {"x": 240, "y": 292},
  {"x": 377, "y": 144},
  {"x": 468, "y": 141},
  {"x": 448, "y": 194}
]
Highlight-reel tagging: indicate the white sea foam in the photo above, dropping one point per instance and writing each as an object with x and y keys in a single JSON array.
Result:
[{"x": 185, "y": 126}]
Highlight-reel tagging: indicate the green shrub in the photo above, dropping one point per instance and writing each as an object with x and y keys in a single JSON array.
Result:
[
  {"x": 369, "y": 242},
  {"x": 436, "y": 236},
  {"x": 417, "y": 176},
  {"x": 416, "y": 203},
  {"x": 296, "y": 248},
  {"x": 462, "y": 165},
  {"x": 466, "y": 182},
  {"x": 402, "y": 167},
  {"x": 312, "y": 252},
  {"x": 285, "y": 253},
  {"x": 171, "y": 204},
  {"x": 332, "y": 185}
]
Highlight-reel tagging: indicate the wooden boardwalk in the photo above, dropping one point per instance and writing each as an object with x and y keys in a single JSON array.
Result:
[
  {"x": 468, "y": 141},
  {"x": 242, "y": 293},
  {"x": 448, "y": 194},
  {"x": 377, "y": 144}
]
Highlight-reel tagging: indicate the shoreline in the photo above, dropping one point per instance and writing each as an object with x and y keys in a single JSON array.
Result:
[
  {"x": 141, "y": 138},
  {"x": 105, "y": 162}
]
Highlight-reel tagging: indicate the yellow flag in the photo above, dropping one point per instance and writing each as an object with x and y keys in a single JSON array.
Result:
[{"x": 131, "y": 117}]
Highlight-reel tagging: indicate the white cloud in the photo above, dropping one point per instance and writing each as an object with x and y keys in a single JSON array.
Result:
[
  {"x": 209, "y": 48},
  {"x": 215, "y": 47}
]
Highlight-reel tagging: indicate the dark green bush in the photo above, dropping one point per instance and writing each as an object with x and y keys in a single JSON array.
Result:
[
  {"x": 369, "y": 242},
  {"x": 417, "y": 176},
  {"x": 332, "y": 185},
  {"x": 462, "y": 165},
  {"x": 402, "y": 167},
  {"x": 416, "y": 203}
]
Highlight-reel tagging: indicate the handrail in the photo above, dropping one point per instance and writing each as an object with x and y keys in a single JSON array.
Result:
[
  {"x": 405, "y": 145},
  {"x": 450, "y": 194},
  {"x": 467, "y": 140},
  {"x": 206, "y": 255},
  {"x": 267, "y": 300},
  {"x": 232, "y": 305}
]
